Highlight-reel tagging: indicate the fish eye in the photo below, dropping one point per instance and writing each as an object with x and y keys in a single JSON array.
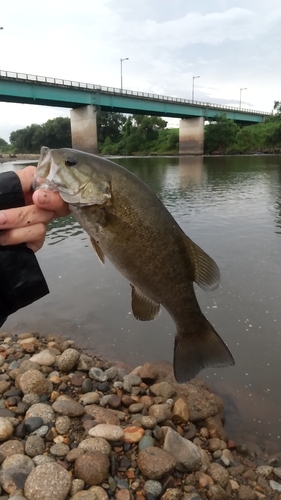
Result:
[{"x": 70, "y": 161}]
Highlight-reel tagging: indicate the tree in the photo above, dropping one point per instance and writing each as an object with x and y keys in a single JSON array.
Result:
[
  {"x": 220, "y": 135},
  {"x": 3, "y": 143},
  {"x": 109, "y": 125},
  {"x": 53, "y": 134}
]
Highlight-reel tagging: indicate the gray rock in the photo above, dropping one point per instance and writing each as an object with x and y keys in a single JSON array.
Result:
[
  {"x": 34, "y": 445},
  {"x": 148, "y": 422},
  {"x": 219, "y": 474},
  {"x": 47, "y": 481},
  {"x": 111, "y": 372},
  {"x": 95, "y": 444},
  {"x": 93, "y": 493},
  {"x": 31, "y": 398},
  {"x": 14, "y": 472},
  {"x": 62, "y": 424},
  {"x": 162, "y": 389},
  {"x": 131, "y": 380},
  {"x": 97, "y": 374},
  {"x": 102, "y": 415},
  {"x": 33, "y": 381},
  {"x": 85, "y": 363},
  {"x": 160, "y": 412},
  {"x": 42, "y": 431},
  {"x": 146, "y": 442},
  {"x": 274, "y": 485},
  {"x": 68, "y": 407},
  {"x": 41, "y": 410},
  {"x": 44, "y": 358},
  {"x": 153, "y": 487},
  {"x": 68, "y": 360},
  {"x": 43, "y": 459},
  {"x": 276, "y": 471},
  {"x": 264, "y": 470},
  {"x": 59, "y": 450},
  {"x": 77, "y": 485},
  {"x": 32, "y": 423},
  {"x": 186, "y": 452}
]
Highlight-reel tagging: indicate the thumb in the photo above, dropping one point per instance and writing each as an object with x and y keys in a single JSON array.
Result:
[{"x": 50, "y": 200}]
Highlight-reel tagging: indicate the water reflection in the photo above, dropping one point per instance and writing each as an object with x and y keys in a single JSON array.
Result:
[{"x": 232, "y": 208}]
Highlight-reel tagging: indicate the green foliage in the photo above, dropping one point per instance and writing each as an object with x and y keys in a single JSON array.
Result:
[
  {"x": 109, "y": 126},
  {"x": 3, "y": 143},
  {"x": 54, "y": 134},
  {"x": 220, "y": 135}
]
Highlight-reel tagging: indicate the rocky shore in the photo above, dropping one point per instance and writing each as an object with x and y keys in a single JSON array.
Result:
[
  {"x": 75, "y": 427},
  {"x": 4, "y": 158}
]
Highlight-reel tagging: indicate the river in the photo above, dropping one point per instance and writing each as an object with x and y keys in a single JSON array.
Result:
[{"x": 231, "y": 207}]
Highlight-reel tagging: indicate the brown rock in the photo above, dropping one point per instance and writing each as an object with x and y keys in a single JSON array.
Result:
[
  {"x": 219, "y": 474},
  {"x": 247, "y": 493},
  {"x": 102, "y": 415},
  {"x": 147, "y": 372},
  {"x": 92, "y": 468},
  {"x": 4, "y": 386},
  {"x": 68, "y": 407},
  {"x": 201, "y": 402},
  {"x": 180, "y": 413},
  {"x": 155, "y": 462},
  {"x": 11, "y": 447},
  {"x": 122, "y": 494}
]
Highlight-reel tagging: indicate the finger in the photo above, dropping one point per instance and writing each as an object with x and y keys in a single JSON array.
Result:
[
  {"x": 50, "y": 200},
  {"x": 24, "y": 216},
  {"x": 33, "y": 235},
  {"x": 26, "y": 177}
]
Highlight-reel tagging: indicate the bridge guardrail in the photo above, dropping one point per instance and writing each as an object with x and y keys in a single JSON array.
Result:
[{"x": 112, "y": 90}]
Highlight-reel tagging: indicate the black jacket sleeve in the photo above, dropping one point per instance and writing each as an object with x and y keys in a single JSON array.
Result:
[{"x": 21, "y": 279}]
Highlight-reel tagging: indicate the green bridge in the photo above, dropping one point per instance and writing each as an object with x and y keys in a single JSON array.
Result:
[{"x": 85, "y": 99}]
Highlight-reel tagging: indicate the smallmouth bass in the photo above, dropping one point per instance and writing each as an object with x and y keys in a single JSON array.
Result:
[{"x": 130, "y": 226}]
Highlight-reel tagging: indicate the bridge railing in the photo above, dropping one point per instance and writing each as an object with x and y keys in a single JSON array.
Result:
[{"x": 59, "y": 82}]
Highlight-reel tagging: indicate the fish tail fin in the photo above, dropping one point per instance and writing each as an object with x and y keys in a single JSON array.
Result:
[{"x": 199, "y": 349}]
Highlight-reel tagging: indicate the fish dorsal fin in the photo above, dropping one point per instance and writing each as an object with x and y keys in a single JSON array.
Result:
[
  {"x": 98, "y": 250},
  {"x": 143, "y": 308},
  {"x": 206, "y": 271}
]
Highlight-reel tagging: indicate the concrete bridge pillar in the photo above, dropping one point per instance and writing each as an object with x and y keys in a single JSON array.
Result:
[
  {"x": 191, "y": 136},
  {"x": 84, "y": 129}
]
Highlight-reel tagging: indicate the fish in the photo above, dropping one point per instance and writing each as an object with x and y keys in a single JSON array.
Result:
[{"x": 128, "y": 224}]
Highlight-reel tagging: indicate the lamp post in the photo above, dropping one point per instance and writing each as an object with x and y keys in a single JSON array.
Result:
[
  {"x": 193, "y": 78},
  {"x": 244, "y": 88},
  {"x": 121, "y": 63}
]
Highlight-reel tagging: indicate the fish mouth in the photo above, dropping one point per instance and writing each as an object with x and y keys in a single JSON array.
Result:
[{"x": 45, "y": 172}]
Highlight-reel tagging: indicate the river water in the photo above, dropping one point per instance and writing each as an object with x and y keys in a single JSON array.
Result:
[{"x": 231, "y": 207}]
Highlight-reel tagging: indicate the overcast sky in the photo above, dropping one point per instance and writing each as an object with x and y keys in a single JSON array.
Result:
[{"x": 231, "y": 44}]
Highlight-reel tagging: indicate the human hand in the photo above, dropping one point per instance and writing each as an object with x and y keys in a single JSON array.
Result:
[{"x": 28, "y": 224}]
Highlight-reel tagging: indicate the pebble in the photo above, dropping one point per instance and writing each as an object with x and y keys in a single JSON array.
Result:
[
  {"x": 34, "y": 445},
  {"x": 92, "y": 468},
  {"x": 180, "y": 412},
  {"x": 154, "y": 462},
  {"x": 63, "y": 424},
  {"x": 107, "y": 431},
  {"x": 95, "y": 444},
  {"x": 97, "y": 374},
  {"x": 160, "y": 412},
  {"x": 33, "y": 423},
  {"x": 133, "y": 434},
  {"x": 6, "y": 429},
  {"x": 68, "y": 407},
  {"x": 41, "y": 410},
  {"x": 186, "y": 452},
  {"x": 145, "y": 442},
  {"x": 68, "y": 360},
  {"x": 33, "y": 381},
  {"x": 11, "y": 447},
  {"x": 44, "y": 358},
  {"x": 89, "y": 398},
  {"x": 48, "y": 481},
  {"x": 102, "y": 415},
  {"x": 153, "y": 487},
  {"x": 14, "y": 472},
  {"x": 162, "y": 389}
]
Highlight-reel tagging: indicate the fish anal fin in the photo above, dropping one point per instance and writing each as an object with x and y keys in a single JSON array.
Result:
[
  {"x": 206, "y": 271},
  {"x": 143, "y": 307},
  {"x": 201, "y": 349},
  {"x": 98, "y": 250}
]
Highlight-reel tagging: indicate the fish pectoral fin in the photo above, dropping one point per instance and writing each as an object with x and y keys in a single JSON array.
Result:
[
  {"x": 143, "y": 308},
  {"x": 206, "y": 271},
  {"x": 98, "y": 250}
]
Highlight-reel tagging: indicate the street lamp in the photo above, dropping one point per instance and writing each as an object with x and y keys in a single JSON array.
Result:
[
  {"x": 244, "y": 88},
  {"x": 193, "y": 78},
  {"x": 121, "y": 62}
]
